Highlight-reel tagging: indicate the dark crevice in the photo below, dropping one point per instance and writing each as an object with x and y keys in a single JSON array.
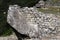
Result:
[{"x": 44, "y": 0}]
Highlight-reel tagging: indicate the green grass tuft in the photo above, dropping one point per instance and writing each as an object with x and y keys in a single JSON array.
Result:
[{"x": 5, "y": 29}]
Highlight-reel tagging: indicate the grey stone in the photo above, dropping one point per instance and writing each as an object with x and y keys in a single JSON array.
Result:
[
  {"x": 30, "y": 22},
  {"x": 41, "y": 3}
]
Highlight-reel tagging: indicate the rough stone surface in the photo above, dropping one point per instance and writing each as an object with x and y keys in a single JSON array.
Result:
[
  {"x": 36, "y": 25},
  {"x": 41, "y": 3}
]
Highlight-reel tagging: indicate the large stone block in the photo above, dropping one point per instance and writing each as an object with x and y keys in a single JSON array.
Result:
[{"x": 31, "y": 22}]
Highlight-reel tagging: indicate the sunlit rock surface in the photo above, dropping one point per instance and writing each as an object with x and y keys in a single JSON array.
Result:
[{"x": 36, "y": 25}]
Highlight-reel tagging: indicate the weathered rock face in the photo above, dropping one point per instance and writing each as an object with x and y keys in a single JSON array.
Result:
[
  {"x": 41, "y": 3},
  {"x": 33, "y": 23}
]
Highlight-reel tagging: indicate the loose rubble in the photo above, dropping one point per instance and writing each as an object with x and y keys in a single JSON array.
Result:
[{"x": 31, "y": 22}]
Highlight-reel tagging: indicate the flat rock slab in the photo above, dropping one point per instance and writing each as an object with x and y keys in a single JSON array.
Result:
[{"x": 29, "y": 21}]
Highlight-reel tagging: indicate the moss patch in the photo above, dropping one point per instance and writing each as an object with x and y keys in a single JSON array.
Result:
[{"x": 5, "y": 29}]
